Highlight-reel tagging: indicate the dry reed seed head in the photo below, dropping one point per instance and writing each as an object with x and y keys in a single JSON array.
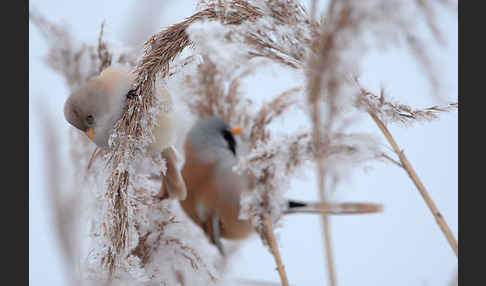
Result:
[
  {"x": 344, "y": 20},
  {"x": 268, "y": 112},
  {"x": 76, "y": 61},
  {"x": 104, "y": 54},
  {"x": 397, "y": 30},
  {"x": 163, "y": 47},
  {"x": 391, "y": 111},
  {"x": 133, "y": 131},
  {"x": 152, "y": 222},
  {"x": 161, "y": 254},
  {"x": 114, "y": 219},
  {"x": 282, "y": 35},
  {"x": 221, "y": 96},
  {"x": 268, "y": 186},
  {"x": 272, "y": 164},
  {"x": 210, "y": 91},
  {"x": 277, "y": 30},
  {"x": 213, "y": 40}
]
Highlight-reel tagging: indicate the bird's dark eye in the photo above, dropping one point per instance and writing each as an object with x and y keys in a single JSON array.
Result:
[
  {"x": 131, "y": 93},
  {"x": 231, "y": 141},
  {"x": 90, "y": 119}
]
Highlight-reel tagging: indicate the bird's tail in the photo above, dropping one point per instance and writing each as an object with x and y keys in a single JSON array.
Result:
[{"x": 294, "y": 206}]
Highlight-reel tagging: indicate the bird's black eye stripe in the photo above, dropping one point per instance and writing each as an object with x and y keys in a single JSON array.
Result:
[
  {"x": 231, "y": 141},
  {"x": 131, "y": 93},
  {"x": 90, "y": 119}
]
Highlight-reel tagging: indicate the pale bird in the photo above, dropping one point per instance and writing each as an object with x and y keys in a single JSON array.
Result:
[{"x": 99, "y": 103}]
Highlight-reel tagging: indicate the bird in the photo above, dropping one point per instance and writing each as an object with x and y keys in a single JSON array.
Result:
[
  {"x": 95, "y": 107},
  {"x": 214, "y": 189}
]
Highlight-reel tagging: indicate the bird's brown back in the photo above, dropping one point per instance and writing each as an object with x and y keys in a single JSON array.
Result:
[{"x": 220, "y": 198}]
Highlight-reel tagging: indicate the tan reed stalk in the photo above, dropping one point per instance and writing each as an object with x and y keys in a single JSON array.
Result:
[
  {"x": 316, "y": 119},
  {"x": 418, "y": 183},
  {"x": 325, "y": 225},
  {"x": 276, "y": 254}
]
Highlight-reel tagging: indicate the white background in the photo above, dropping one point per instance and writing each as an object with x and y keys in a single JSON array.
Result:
[{"x": 401, "y": 246}]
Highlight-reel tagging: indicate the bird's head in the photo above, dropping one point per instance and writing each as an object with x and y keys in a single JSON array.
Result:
[
  {"x": 98, "y": 104},
  {"x": 212, "y": 139}
]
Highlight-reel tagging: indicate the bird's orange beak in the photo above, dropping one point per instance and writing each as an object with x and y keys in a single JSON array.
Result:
[
  {"x": 89, "y": 132},
  {"x": 236, "y": 130}
]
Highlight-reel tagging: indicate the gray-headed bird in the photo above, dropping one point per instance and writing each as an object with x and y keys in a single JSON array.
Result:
[{"x": 214, "y": 190}]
